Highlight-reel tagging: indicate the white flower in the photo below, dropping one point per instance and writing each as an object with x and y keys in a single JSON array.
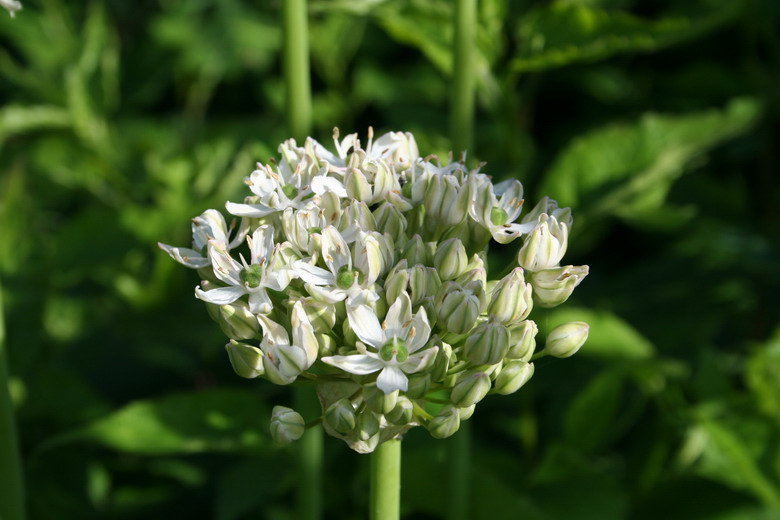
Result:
[
  {"x": 282, "y": 360},
  {"x": 397, "y": 342},
  {"x": 12, "y": 6},
  {"x": 344, "y": 279},
  {"x": 254, "y": 278},
  {"x": 209, "y": 226},
  {"x": 498, "y": 215},
  {"x": 303, "y": 227}
]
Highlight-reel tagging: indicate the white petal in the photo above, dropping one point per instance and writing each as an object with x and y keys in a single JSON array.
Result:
[
  {"x": 225, "y": 267},
  {"x": 185, "y": 256},
  {"x": 259, "y": 302},
  {"x": 220, "y": 296},
  {"x": 248, "y": 210},
  {"x": 508, "y": 232},
  {"x": 399, "y": 313},
  {"x": 320, "y": 184},
  {"x": 278, "y": 279},
  {"x": 364, "y": 322},
  {"x": 326, "y": 293},
  {"x": 273, "y": 333},
  {"x": 261, "y": 243},
  {"x": 313, "y": 274},
  {"x": 392, "y": 379},
  {"x": 335, "y": 250},
  {"x": 303, "y": 333},
  {"x": 422, "y": 331},
  {"x": 419, "y": 361},
  {"x": 359, "y": 364}
]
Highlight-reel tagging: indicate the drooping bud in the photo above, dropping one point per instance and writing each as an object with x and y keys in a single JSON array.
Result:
[
  {"x": 378, "y": 401},
  {"x": 237, "y": 321},
  {"x": 402, "y": 413},
  {"x": 458, "y": 306},
  {"x": 287, "y": 425},
  {"x": 522, "y": 340},
  {"x": 450, "y": 259},
  {"x": 511, "y": 299},
  {"x": 470, "y": 389},
  {"x": 513, "y": 375},
  {"x": 554, "y": 286},
  {"x": 565, "y": 340},
  {"x": 487, "y": 344},
  {"x": 341, "y": 416},
  {"x": 445, "y": 424},
  {"x": 247, "y": 361},
  {"x": 544, "y": 247}
]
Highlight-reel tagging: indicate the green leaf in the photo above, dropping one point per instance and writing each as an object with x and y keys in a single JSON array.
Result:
[
  {"x": 592, "y": 413},
  {"x": 627, "y": 169},
  {"x": 16, "y": 119},
  {"x": 763, "y": 376},
  {"x": 610, "y": 337},
  {"x": 562, "y": 33},
  {"x": 208, "y": 421}
]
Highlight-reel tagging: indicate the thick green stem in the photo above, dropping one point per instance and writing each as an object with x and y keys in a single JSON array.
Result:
[
  {"x": 464, "y": 74},
  {"x": 296, "y": 67},
  {"x": 11, "y": 482},
  {"x": 309, "y": 458},
  {"x": 386, "y": 481}
]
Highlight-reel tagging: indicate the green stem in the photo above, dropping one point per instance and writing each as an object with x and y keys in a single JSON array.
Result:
[
  {"x": 462, "y": 136},
  {"x": 11, "y": 480},
  {"x": 296, "y": 67},
  {"x": 309, "y": 470},
  {"x": 386, "y": 481}
]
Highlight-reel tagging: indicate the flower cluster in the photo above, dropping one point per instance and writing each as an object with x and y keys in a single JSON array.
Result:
[{"x": 364, "y": 273}]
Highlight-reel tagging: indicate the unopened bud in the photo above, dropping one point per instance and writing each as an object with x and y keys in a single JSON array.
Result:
[
  {"x": 513, "y": 375},
  {"x": 522, "y": 340},
  {"x": 419, "y": 384},
  {"x": 458, "y": 306},
  {"x": 357, "y": 186},
  {"x": 341, "y": 416},
  {"x": 378, "y": 401},
  {"x": 322, "y": 315},
  {"x": 470, "y": 389},
  {"x": 247, "y": 361},
  {"x": 424, "y": 282},
  {"x": 238, "y": 322},
  {"x": 367, "y": 425},
  {"x": 390, "y": 220},
  {"x": 417, "y": 252},
  {"x": 445, "y": 201},
  {"x": 565, "y": 340},
  {"x": 443, "y": 361},
  {"x": 467, "y": 412},
  {"x": 511, "y": 298},
  {"x": 450, "y": 259},
  {"x": 402, "y": 413},
  {"x": 544, "y": 247},
  {"x": 445, "y": 424},
  {"x": 287, "y": 425},
  {"x": 487, "y": 344},
  {"x": 554, "y": 286}
]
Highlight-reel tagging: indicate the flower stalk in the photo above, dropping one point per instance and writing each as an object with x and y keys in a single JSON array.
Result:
[{"x": 386, "y": 481}]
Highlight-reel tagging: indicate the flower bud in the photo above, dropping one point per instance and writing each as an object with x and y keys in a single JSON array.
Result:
[
  {"x": 327, "y": 345},
  {"x": 287, "y": 425},
  {"x": 511, "y": 298},
  {"x": 357, "y": 185},
  {"x": 445, "y": 424},
  {"x": 396, "y": 282},
  {"x": 341, "y": 416},
  {"x": 544, "y": 247},
  {"x": 450, "y": 259},
  {"x": 378, "y": 401},
  {"x": 522, "y": 340},
  {"x": 550, "y": 207},
  {"x": 467, "y": 412},
  {"x": 419, "y": 384},
  {"x": 443, "y": 360},
  {"x": 417, "y": 251},
  {"x": 247, "y": 361},
  {"x": 367, "y": 425},
  {"x": 357, "y": 212},
  {"x": 402, "y": 413},
  {"x": 390, "y": 220},
  {"x": 445, "y": 202},
  {"x": 565, "y": 340},
  {"x": 237, "y": 321},
  {"x": 554, "y": 286},
  {"x": 423, "y": 282},
  {"x": 487, "y": 344},
  {"x": 458, "y": 306},
  {"x": 470, "y": 389},
  {"x": 322, "y": 315},
  {"x": 513, "y": 375}
]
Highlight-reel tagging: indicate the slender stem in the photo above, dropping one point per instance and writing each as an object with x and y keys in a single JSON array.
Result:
[
  {"x": 386, "y": 481},
  {"x": 296, "y": 67},
  {"x": 462, "y": 139},
  {"x": 463, "y": 75},
  {"x": 309, "y": 469},
  {"x": 11, "y": 479}
]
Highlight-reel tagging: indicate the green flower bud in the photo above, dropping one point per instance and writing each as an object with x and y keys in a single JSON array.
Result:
[
  {"x": 396, "y": 282},
  {"x": 554, "y": 286},
  {"x": 511, "y": 298},
  {"x": 445, "y": 424},
  {"x": 327, "y": 345},
  {"x": 443, "y": 361},
  {"x": 467, "y": 412},
  {"x": 471, "y": 387},
  {"x": 522, "y": 340},
  {"x": 322, "y": 315},
  {"x": 341, "y": 416},
  {"x": 287, "y": 425},
  {"x": 237, "y": 322},
  {"x": 367, "y": 425},
  {"x": 390, "y": 220},
  {"x": 544, "y": 247},
  {"x": 247, "y": 361},
  {"x": 378, "y": 401},
  {"x": 402, "y": 413},
  {"x": 423, "y": 282},
  {"x": 357, "y": 185},
  {"x": 358, "y": 212},
  {"x": 417, "y": 251},
  {"x": 450, "y": 259},
  {"x": 429, "y": 305},
  {"x": 565, "y": 340},
  {"x": 513, "y": 375},
  {"x": 487, "y": 344},
  {"x": 419, "y": 384},
  {"x": 446, "y": 203},
  {"x": 459, "y": 306}
]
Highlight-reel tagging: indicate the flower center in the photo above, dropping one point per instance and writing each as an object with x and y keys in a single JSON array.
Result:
[
  {"x": 345, "y": 277},
  {"x": 252, "y": 275},
  {"x": 290, "y": 191},
  {"x": 498, "y": 216},
  {"x": 395, "y": 347}
]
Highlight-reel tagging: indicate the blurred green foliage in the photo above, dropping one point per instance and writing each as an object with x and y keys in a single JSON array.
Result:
[{"x": 657, "y": 121}]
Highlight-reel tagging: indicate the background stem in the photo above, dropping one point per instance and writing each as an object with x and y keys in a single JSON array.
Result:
[
  {"x": 462, "y": 139},
  {"x": 386, "y": 481},
  {"x": 298, "y": 87},
  {"x": 11, "y": 481}
]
